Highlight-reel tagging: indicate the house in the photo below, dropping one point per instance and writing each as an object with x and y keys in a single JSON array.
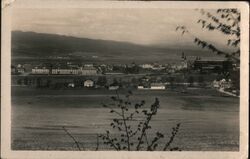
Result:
[
  {"x": 236, "y": 66},
  {"x": 158, "y": 67},
  {"x": 88, "y": 65},
  {"x": 20, "y": 68},
  {"x": 167, "y": 83},
  {"x": 222, "y": 84},
  {"x": 113, "y": 87},
  {"x": 65, "y": 71},
  {"x": 213, "y": 66},
  {"x": 145, "y": 79},
  {"x": 13, "y": 69},
  {"x": 179, "y": 66},
  {"x": 114, "y": 73},
  {"x": 72, "y": 85},
  {"x": 68, "y": 70},
  {"x": 147, "y": 66},
  {"x": 140, "y": 87},
  {"x": 87, "y": 70},
  {"x": 216, "y": 84},
  {"x": 40, "y": 70},
  {"x": 27, "y": 67},
  {"x": 157, "y": 86},
  {"x": 184, "y": 64},
  {"x": 152, "y": 86},
  {"x": 88, "y": 83},
  {"x": 143, "y": 87},
  {"x": 225, "y": 83}
]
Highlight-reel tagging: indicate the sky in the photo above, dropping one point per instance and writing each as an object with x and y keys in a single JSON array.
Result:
[{"x": 146, "y": 26}]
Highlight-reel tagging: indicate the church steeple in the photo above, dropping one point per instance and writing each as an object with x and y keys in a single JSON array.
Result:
[{"x": 183, "y": 56}]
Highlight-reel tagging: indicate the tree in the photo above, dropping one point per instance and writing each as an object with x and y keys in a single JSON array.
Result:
[
  {"x": 101, "y": 81},
  {"x": 38, "y": 82},
  {"x": 25, "y": 81},
  {"x": 171, "y": 81},
  {"x": 226, "y": 21},
  {"x": 190, "y": 80},
  {"x": 134, "y": 82},
  {"x": 19, "y": 81},
  {"x": 78, "y": 82},
  {"x": 201, "y": 81},
  {"x": 48, "y": 83},
  {"x": 235, "y": 79},
  {"x": 133, "y": 121},
  {"x": 134, "y": 69},
  {"x": 115, "y": 82}
]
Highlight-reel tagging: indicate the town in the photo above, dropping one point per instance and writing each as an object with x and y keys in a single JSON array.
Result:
[
  {"x": 123, "y": 77},
  {"x": 187, "y": 72}
]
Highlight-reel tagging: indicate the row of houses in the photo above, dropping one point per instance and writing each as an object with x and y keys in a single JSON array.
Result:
[
  {"x": 18, "y": 69},
  {"x": 86, "y": 70},
  {"x": 152, "y": 86},
  {"x": 215, "y": 66},
  {"x": 222, "y": 83},
  {"x": 91, "y": 84}
]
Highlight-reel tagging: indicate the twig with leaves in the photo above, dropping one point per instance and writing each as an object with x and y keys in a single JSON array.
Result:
[
  {"x": 227, "y": 21},
  {"x": 174, "y": 132}
]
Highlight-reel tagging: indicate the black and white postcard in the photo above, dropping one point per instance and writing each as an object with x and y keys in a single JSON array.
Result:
[{"x": 124, "y": 79}]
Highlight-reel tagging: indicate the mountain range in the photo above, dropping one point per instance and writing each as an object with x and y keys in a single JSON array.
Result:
[{"x": 32, "y": 45}]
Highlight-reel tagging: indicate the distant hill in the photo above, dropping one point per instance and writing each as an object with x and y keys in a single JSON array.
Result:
[{"x": 26, "y": 45}]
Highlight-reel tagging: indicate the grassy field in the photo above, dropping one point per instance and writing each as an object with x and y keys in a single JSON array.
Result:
[{"x": 209, "y": 120}]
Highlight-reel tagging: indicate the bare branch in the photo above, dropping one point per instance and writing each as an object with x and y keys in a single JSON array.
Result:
[{"x": 77, "y": 144}]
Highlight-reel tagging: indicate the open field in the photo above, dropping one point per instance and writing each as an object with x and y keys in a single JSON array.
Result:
[{"x": 208, "y": 120}]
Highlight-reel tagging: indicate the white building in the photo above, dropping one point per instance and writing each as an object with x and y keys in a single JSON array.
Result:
[
  {"x": 113, "y": 87},
  {"x": 222, "y": 84},
  {"x": 167, "y": 83},
  {"x": 88, "y": 83},
  {"x": 65, "y": 71},
  {"x": 158, "y": 68},
  {"x": 72, "y": 85},
  {"x": 20, "y": 70},
  {"x": 153, "y": 86},
  {"x": 140, "y": 87},
  {"x": 147, "y": 66},
  {"x": 216, "y": 84},
  {"x": 87, "y": 70},
  {"x": 13, "y": 69},
  {"x": 38, "y": 70},
  {"x": 157, "y": 86},
  {"x": 225, "y": 84}
]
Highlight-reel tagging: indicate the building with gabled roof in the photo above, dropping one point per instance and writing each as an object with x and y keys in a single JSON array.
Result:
[{"x": 88, "y": 83}]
